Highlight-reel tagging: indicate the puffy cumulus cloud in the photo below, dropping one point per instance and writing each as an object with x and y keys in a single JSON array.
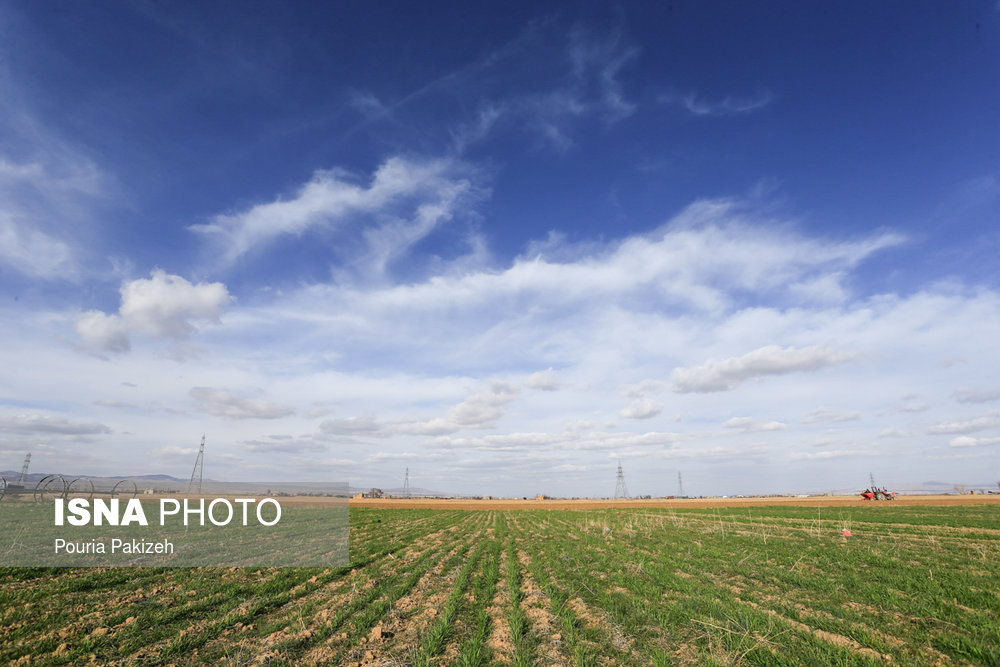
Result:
[
  {"x": 163, "y": 306},
  {"x": 969, "y": 425},
  {"x": 484, "y": 407},
  {"x": 546, "y": 380},
  {"x": 824, "y": 416},
  {"x": 417, "y": 195},
  {"x": 106, "y": 332},
  {"x": 26, "y": 424},
  {"x": 222, "y": 403},
  {"x": 641, "y": 408},
  {"x": 751, "y": 425},
  {"x": 641, "y": 389},
  {"x": 976, "y": 395},
  {"x": 481, "y": 409},
  {"x": 770, "y": 360},
  {"x": 966, "y": 441}
]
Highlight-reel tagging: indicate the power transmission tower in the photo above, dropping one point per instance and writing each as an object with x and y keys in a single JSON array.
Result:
[
  {"x": 406, "y": 484},
  {"x": 871, "y": 478},
  {"x": 196, "y": 474},
  {"x": 24, "y": 468},
  {"x": 680, "y": 485},
  {"x": 620, "y": 490}
]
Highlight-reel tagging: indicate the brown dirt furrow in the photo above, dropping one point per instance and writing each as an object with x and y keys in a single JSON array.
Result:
[
  {"x": 544, "y": 624},
  {"x": 396, "y": 637},
  {"x": 332, "y": 597},
  {"x": 500, "y": 642},
  {"x": 596, "y": 618}
]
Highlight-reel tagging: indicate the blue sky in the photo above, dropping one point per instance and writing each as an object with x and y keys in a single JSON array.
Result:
[{"x": 503, "y": 246}]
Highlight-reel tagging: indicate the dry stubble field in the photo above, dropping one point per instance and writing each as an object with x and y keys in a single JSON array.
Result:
[{"x": 746, "y": 581}]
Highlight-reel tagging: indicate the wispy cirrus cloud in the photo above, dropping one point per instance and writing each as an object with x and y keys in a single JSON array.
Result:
[
  {"x": 730, "y": 105},
  {"x": 413, "y": 196},
  {"x": 34, "y": 196}
]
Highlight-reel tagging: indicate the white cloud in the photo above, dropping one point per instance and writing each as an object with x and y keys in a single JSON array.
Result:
[
  {"x": 546, "y": 380},
  {"x": 969, "y": 425},
  {"x": 106, "y": 332},
  {"x": 641, "y": 408},
  {"x": 415, "y": 196},
  {"x": 831, "y": 454},
  {"x": 728, "y": 106},
  {"x": 966, "y": 441},
  {"x": 485, "y": 406},
  {"x": 222, "y": 403},
  {"x": 696, "y": 261},
  {"x": 770, "y": 360},
  {"x": 480, "y": 410},
  {"x": 641, "y": 389},
  {"x": 161, "y": 307},
  {"x": 33, "y": 252},
  {"x": 751, "y": 425},
  {"x": 976, "y": 395},
  {"x": 364, "y": 425},
  {"x": 35, "y": 197},
  {"x": 33, "y": 424},
  {"x": 824, "y": 416}
]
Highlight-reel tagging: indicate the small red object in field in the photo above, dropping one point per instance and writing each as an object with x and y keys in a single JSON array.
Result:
[{"x": 846, "y": 533}]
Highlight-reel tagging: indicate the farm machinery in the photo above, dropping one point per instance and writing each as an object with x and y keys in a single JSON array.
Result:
[{"x": 875, "y": 493}]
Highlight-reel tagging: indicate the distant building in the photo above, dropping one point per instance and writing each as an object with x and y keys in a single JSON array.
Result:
[{"x": 374, "y": 493}]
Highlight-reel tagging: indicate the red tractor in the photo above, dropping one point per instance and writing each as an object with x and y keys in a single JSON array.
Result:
[{"x": 875, "y": 493}]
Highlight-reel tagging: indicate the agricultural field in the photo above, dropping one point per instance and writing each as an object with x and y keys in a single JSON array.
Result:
[{"x": 743, "y": 585}]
